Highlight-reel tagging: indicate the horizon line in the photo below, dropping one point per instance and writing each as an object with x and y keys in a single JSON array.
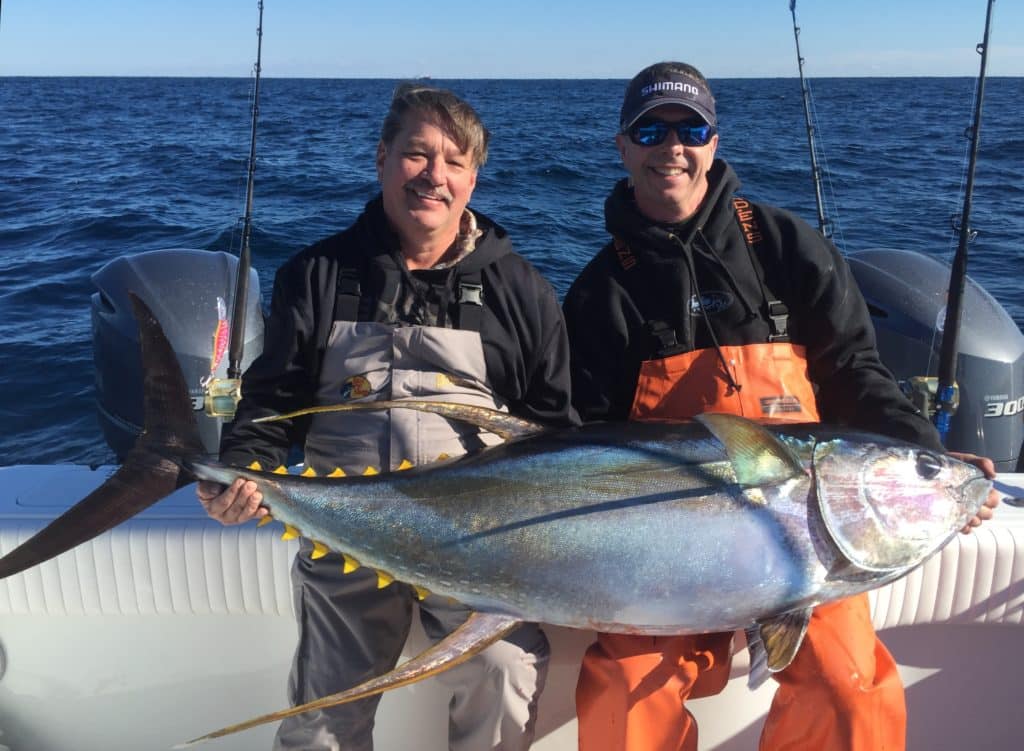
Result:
[{"x": 477, "y": 78}]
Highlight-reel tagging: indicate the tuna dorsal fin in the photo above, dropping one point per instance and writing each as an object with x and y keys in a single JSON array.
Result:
[
  {"x": 478, "y": 632},
  {"x": 502, "y": 424},
  {"x": 773, "y": 643},
  {"x": 757, "y": 456}
]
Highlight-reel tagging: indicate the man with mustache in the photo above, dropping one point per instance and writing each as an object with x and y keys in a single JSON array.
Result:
[
  {"x": 420, "y": 298},
  {"x": 707, "y": 302}
]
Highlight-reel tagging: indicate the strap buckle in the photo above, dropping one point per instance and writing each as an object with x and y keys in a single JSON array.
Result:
[
  {"x": 471, "y": 294},
  {"x": 778, "y": 321}
]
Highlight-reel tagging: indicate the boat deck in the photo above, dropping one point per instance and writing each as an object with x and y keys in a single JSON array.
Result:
[{"x": 171, "y": 626}]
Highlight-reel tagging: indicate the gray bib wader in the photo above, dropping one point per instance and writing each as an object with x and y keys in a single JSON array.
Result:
[{"x": 350, "y": 630}]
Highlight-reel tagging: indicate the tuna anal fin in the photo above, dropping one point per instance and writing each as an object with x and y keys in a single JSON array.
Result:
[
  {"x": 477, "y": 633},
  {"x": 757, "y": 456},
  {"x": 773, "y": 644}
]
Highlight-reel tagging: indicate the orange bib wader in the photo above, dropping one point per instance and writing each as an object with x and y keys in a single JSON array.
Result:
[{"x": 842, "y": 692}]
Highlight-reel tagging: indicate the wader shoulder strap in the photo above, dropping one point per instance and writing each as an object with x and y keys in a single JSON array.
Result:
[
  {"x": 662, "y": 339},
  {"x": 349, "y": 293},
  {"x": 778, "y": 312},
  {"x": 353, "y": 302},
  {"x": 356, "y": 298},
  {"x": 469, "y": 294}
]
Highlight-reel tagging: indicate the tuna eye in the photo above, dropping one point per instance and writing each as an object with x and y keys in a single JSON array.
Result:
[{"x": 928, "y": 465}]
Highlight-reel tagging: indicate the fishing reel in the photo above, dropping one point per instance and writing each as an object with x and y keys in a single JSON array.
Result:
[
  {"x": 922, "y": 392},
  {"x": 221, "y": 396}
]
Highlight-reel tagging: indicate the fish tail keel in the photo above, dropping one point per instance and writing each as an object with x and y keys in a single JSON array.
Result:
[
  {"x": 151, "y": 470},
  {"x": 478, "y": 632}
]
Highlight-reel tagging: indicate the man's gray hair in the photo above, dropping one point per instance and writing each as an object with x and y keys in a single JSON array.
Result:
[{"x": 445, "y": 110}]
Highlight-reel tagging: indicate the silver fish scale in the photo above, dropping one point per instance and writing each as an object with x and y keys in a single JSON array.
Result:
[{"x": 629, "y": 528}]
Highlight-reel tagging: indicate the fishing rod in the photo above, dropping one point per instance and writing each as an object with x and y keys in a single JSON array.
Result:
[
  {"x": 946, "y": 393},
  {"x": 824, "y": 225},
  {"x": 223, "y": 395},
  {"x": 244, "y": 259}
]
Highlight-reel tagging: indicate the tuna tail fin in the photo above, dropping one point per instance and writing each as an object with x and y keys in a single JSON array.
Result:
[
  {"x": 150, "y": 471},
  {"x": 477, "y": 633}
]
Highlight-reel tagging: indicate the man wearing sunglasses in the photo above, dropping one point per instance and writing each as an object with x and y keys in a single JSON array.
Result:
[{"x": 705, "y": 301}]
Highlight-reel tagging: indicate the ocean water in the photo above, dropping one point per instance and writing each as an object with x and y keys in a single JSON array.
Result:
[{"x": 95, "y": 168}]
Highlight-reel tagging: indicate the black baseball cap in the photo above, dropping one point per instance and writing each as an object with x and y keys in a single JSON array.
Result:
[{"x": 667, "y": 83}]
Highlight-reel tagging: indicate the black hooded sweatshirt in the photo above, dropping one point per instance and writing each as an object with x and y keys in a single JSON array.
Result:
[
  {"x": 520, "y": 324},
  {"x": 710, "y": 279}
]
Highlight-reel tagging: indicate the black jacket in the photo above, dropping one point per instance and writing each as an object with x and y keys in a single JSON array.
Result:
[
  {"x": 520, "y": 324},
  {"x": 656, "y": 273}
]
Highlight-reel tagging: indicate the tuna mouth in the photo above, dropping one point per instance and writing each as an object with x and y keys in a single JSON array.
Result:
[{"x": 975, "y": 492}]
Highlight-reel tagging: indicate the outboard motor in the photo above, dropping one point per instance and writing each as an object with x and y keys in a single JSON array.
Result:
[
  {"x": 182, "y": 288},
  {"x": 906, "y": 294}
]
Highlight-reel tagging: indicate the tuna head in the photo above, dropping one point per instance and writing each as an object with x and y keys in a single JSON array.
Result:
[{"x": 888, "y": 507}]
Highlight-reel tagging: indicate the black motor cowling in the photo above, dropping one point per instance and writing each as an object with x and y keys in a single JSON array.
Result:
[
  {"x": 906, "y": 293},
  {"x": 182, "y": 288}
]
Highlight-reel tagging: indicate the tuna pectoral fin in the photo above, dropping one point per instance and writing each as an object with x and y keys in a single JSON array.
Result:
[
  {"x": 150, "y": 471},
  {"x": 478, "y": 632},
  {"x": 773, "y": 644},
  {"x": 757, "y": 456}
]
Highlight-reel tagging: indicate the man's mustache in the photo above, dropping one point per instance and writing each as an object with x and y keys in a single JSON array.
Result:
[{"x": 429, "y": 191}]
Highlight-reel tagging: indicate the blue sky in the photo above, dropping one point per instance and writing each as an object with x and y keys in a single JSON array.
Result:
[{"x": 508, "y": 39}]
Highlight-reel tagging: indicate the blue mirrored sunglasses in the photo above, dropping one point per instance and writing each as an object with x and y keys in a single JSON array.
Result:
[{"x": 654, "y": 132}]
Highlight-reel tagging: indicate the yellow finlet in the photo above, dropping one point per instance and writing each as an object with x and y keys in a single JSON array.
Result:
[
  {"x": 442, "y": 456},
  {"x": 265, "y": 521},
  {"x": 337, "y": 472},
  {"x": 384, "y": 579},
  {"x": 319, "y": 550},
  {"x": 351, "y": 564},
  {"x": 421, "y": 593},
  {"x": 282, "y": 470},
  {"x": 308, "y": 472},
  {"x": 290, "y": 533},
  {"x": 406, "y": 464},
  {"x": 370, "y": 471},
  {"x": 256, "y": 466}
]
